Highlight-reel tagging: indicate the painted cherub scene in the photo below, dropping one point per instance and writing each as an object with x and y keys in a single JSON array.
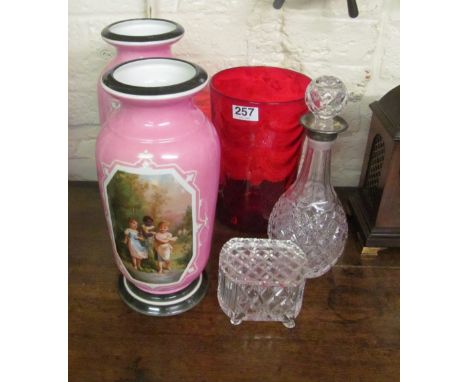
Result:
[{"x": 152, "y": 223}]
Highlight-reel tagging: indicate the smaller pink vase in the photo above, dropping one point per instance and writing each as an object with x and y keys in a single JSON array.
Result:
[{"x": 133, "y": 39}]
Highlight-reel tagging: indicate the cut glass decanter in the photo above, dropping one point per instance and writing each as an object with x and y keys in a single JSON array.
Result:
[{"x": 309, "y": 213}]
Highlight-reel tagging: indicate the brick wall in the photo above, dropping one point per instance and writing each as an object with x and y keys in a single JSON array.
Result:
[{"x": 312, "y": 36}]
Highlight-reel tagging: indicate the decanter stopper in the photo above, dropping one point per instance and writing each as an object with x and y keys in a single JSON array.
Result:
[{"x": 325, "y": 97}]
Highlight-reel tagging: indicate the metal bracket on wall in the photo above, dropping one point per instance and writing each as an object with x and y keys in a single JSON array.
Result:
[
  {"x": 353, "y": 10},
  {"x": 277, "y": 4}
]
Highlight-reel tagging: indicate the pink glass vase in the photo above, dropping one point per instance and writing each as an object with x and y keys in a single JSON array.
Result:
[
  {"x": 135, "y": 38},
  {"x": 158, "y": 163}
]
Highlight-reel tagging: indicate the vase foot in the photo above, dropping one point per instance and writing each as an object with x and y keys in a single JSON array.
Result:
[{"x": 163, "y": 305}]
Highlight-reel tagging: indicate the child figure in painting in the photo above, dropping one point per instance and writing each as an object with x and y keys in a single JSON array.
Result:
[
  {"x": 148, "y": 227},
  {"x": 132, "y": 239},
  {"x": 163, "y": 247},
  {"x": 148, "y": 231}
]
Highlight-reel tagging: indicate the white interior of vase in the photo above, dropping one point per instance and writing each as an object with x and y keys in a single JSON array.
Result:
[
  {"x": 142, "y": 27},
  {"x": 154, "y": 73}
]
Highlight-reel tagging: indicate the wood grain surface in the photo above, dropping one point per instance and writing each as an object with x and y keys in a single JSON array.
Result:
[{"x": 348, "y": 328}]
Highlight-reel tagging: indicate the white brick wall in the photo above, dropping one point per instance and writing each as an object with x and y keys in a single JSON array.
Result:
[
  {"x": 87, "y": 55},
  {"x": 312, "y": 36}
]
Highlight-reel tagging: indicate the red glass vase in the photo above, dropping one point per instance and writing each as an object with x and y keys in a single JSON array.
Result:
[{"x": 256, "y": 111}]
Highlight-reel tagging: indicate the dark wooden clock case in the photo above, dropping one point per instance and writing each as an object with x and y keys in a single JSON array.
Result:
[{"x": 375, "y": 205}]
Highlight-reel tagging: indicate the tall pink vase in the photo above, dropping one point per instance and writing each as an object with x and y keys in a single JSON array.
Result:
[
  {"x": 135, "y": 38},
  {"x": 158, "y": 162}
]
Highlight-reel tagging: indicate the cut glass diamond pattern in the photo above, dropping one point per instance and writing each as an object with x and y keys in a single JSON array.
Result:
[
  {"x": 321, "y": 234},
  {"x": 261, "y": 280}
]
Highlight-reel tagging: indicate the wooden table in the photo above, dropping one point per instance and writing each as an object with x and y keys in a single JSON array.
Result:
[{"x": 348, "y": 329}]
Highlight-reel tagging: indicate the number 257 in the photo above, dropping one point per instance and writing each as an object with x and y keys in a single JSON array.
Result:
[{"x": 243, "y": 111}]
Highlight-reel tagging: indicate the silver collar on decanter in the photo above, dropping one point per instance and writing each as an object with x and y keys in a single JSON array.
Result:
[{"x": 326, "y": 131}]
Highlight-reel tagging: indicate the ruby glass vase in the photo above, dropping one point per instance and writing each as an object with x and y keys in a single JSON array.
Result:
[{"x": 256, "y": 112}]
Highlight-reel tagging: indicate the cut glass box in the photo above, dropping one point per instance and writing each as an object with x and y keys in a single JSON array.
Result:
[{"x": 261, "y": 280}]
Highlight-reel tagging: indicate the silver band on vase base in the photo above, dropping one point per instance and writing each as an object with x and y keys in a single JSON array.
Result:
[{"x": 163, "y": 305}]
